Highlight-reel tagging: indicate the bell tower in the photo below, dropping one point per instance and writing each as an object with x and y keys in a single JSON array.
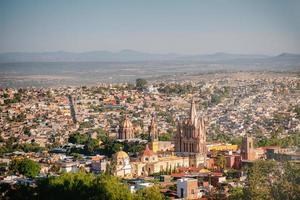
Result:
[
  {"x": 152, "y": 129},
  {"x": 247, "y": 150}
]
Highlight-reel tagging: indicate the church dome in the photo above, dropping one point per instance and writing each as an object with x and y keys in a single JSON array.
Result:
[{"x": 121, "y": 155}]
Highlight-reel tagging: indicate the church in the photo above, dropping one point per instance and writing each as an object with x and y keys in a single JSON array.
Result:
[
  {"x": 126, "y": 130},
  {"x": 190, "y": 139},
  {"x": 190, "y": 149}
]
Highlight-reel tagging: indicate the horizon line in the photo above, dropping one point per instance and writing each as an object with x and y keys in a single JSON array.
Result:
[{"x": 151, "y": 52}]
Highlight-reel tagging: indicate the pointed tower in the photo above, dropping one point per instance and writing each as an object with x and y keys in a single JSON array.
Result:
[
  {"x": 152, "y": 129},
  {"x": 191, "y": 136},
  {"x": 193, "y": 112}
]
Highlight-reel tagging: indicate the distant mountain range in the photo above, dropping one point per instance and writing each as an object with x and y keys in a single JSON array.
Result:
[{"x": 130, "y": 55}]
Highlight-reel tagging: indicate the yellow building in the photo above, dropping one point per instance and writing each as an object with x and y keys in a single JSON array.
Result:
[
  {"x": 150, "y": 163},
  {"x": 222, "y": 147}
]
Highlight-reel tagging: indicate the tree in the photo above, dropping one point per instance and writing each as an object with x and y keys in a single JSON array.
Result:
[
  {"x": 112, "y": 147},
  {"x": 26, "y": 167},
  {"x": 27, "y": 131},
  {"x": 215, "y": 99},
  {"x": 149, "y": 193},
  {"x": 287, "y": 186},
  {"x": 259, "y": 180},
  {"x": 77, "y": 138},
  {"x": 109, "y": 187},
  {"x": 78, "y": 186},
  {"x": 166, "y": 137},
  {"x": 134, "y": 147},
  {"x": 102, "y": 135},
  {"x": 76, "y": 156},
  {"x": 67, "y": 186},
  {"x": 297, "y": 110},
  {"x": 17, "y": 192},
  {"x": 90, "y": 145},
  {"x": 271, "y": 180},
  {"x": 236, "y": 193},
  {"x": 221, "y": 162},
  {"x": 140, "y": 83},
  {"x": 30, "y": 147},
  {"x": 232, "y": 174}
]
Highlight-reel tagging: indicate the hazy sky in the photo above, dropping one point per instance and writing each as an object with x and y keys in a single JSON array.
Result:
[{"x": 179, "y": 26}]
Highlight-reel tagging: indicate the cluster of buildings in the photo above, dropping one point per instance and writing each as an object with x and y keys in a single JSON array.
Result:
[
  {"x": 256, "y": 103},
  {"x": 255, "y": 107},
  {"x": 190, "y": 148}
]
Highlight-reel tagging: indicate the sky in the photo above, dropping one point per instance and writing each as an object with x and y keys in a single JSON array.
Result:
[{"x": 157, "y": 26}]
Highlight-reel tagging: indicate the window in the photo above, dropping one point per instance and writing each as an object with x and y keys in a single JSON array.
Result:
[
  {"x": 193, "y": 191},
  {"x": 181, "y": 192}
]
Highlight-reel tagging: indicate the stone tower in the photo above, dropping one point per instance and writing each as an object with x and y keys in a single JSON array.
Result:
[
  {"x": 152, "y": 129},
  {"x": 190, "y": 138},
  {"x": 247, "y": 149},
  {"x": 126, "y": 129}
]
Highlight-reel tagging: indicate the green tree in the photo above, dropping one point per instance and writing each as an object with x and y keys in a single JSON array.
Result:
[
  {"x": 26, "y": 167},
  {"x": 259, "y": 180},
  {"x": 140, "y": 83},
  {"x": 102, "y": 135},
  {"x": 297, "y": 110},
  {"x": 30, "y": 147},
  {"x": 288, "y": 184},
  {"x": 216, "y": 99},
  {"x": 27, "y": 131},
  {"x": 221, "y": 162},
  {"x": 91, "y": 145},
  {"x": 76, "y": 156},
  {"x": 77, "y": 138},
  {"x": 67, "y": 186},
  {"x": 112, "y": 147},
  {"x": 149, "y": 193},
  {"x": 166, "y": 137},
  {"x": 110, "y": 187},
  {"x": 236, "y": 193},
  {"x": 18, "y": 192}
]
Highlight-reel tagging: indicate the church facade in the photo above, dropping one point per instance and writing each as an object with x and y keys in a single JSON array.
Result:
[{"x": 190, "y": 139}]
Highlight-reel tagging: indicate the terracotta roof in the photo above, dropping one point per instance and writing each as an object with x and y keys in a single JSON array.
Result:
[{"x": 147, "y": 151}]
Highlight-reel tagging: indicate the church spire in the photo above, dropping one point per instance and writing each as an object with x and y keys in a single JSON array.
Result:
[
  {"x": 193, "y": 112},
  {"x": 152, "y": 129}
]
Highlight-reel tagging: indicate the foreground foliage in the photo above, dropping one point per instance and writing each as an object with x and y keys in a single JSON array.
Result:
[
  {"x": 79, "y": 186},
  {"x": 269, "y": 180}
]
